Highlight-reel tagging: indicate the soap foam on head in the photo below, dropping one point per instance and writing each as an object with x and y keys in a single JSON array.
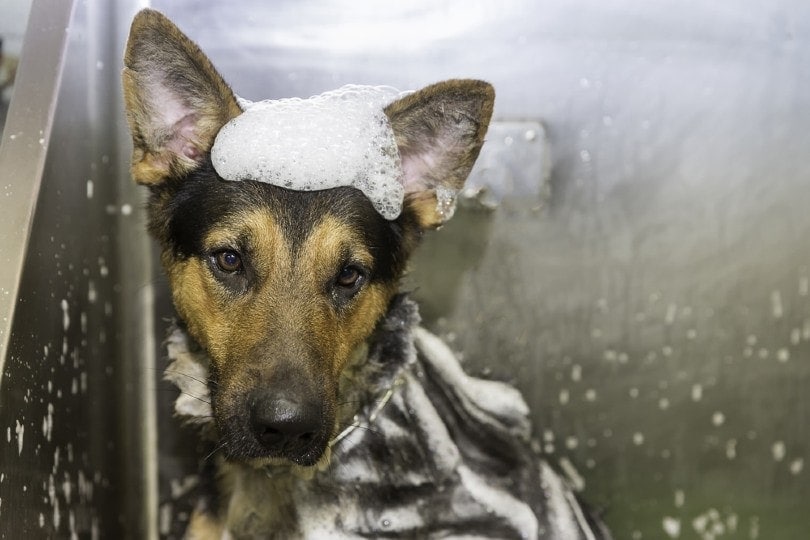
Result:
[{"x": 338, "y": 138}]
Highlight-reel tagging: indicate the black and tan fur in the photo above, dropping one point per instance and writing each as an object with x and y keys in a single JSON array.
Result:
[{"x": 281, "y": 288}]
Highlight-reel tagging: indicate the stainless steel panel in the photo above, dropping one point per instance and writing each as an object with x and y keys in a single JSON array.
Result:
[
  {"x": 25, "y": 143},
  {"x": 76, "y": 384},
  {"x": 649, "y": 290},
  {"x": 655, "y": 310}
]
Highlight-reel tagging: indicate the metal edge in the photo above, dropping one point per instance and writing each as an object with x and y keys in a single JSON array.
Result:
[
  {"x": 138, "y": 344},
  {"x": 24, "y": 145}
]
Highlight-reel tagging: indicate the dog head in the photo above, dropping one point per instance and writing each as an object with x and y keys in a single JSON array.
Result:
[{"x": 282, "y": 288}]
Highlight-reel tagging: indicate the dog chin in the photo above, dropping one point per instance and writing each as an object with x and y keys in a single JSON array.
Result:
[
  {"x": 305, "y": 465},
  {"x": 313, "y": 457}
]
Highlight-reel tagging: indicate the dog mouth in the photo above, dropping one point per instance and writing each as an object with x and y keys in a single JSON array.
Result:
[{"x": 305, "y": 457}]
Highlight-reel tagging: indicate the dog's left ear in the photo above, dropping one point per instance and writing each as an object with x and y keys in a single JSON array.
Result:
[
  {"x": 439, "y": 131},
  {"x": 176, "y": 101}
]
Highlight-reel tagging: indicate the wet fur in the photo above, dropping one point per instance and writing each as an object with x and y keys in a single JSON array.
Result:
[
  {"x": 281, "y": 322},
  {"x": 279, "y": 315}
]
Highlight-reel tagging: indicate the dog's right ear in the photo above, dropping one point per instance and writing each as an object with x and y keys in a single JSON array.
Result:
[
  {"x": 439, "y": 131},
  {"x": 176, "y": 101}
]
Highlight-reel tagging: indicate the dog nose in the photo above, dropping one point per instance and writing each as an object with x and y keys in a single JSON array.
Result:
[{"x": 281, "y": 422}]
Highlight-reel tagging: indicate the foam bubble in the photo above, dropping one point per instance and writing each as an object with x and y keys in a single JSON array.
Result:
[{"x": 338, "y": 138}]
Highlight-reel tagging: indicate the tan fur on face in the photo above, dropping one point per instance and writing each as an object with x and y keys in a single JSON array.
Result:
[
  {"x": 321, "y": 258},
  {"x": 287, "y": 318},
  {"x": 219, "y": 319}
]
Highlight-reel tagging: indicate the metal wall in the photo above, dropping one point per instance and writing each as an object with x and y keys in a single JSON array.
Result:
[
  {"x": 74, "y": 418},
  {"x": 646, "y": 284}
]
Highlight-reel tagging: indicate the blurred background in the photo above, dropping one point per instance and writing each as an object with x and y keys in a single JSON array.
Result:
[{"x": 632, "y": 251}]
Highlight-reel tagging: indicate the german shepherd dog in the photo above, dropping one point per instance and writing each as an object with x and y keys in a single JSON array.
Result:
[{"x": 330, "y": 412}]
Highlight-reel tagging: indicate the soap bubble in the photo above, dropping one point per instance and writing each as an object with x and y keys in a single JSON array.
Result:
[{"x": 338, "y": 138}]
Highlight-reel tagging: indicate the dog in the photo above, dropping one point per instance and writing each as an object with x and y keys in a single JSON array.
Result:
[{"x": 331, "y": 413}]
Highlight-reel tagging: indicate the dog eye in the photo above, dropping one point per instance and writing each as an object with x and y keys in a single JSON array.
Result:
[
  {"x": 349, "y": 277},
  {"x": 228, "y": 261}
]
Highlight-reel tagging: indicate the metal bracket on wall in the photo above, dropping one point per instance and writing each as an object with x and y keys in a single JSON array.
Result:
[{"x": 514, "y": 163}]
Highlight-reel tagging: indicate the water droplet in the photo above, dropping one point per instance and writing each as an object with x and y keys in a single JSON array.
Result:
[
  {"x": 731, "y": 448},
  {"x": 778, "y": 451},
  {"x": 776, "y": 305},
  {"x": 671, "y": 526},
  {"x": 65, "y": 315},
  {"x": 20, "y": 431},
  {"x": 445, "y": 202}
]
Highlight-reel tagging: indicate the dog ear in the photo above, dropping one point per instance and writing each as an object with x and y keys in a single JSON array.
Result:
[
  {"x": 439, "y": 131},
  {"x": 176, "y": 101}
]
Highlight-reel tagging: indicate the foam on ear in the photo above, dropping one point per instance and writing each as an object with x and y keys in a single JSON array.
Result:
[
  {"x": 439, "y": 131},
  {"x": 338, "y": 138}
]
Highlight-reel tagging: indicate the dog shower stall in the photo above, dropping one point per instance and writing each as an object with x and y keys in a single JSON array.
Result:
[{"x": 632, "y": 251}]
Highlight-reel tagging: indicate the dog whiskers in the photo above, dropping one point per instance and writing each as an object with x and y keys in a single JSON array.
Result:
[
  {"x": 208, "y": 382},
  {"x": 198, "y": 398},
  {"x": 214, "y": 451}
]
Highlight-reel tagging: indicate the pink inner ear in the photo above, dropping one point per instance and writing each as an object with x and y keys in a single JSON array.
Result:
[
  {"x": 431, "y": 164},
  {"x": 416, "y": 169},
  {"x": 175, "y": 120},
  {"x": 191, "y": 153},
  {"x": 183, "y": 136}
]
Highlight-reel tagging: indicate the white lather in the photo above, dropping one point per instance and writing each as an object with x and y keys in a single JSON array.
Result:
[{"x": 338, "y": 138}]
